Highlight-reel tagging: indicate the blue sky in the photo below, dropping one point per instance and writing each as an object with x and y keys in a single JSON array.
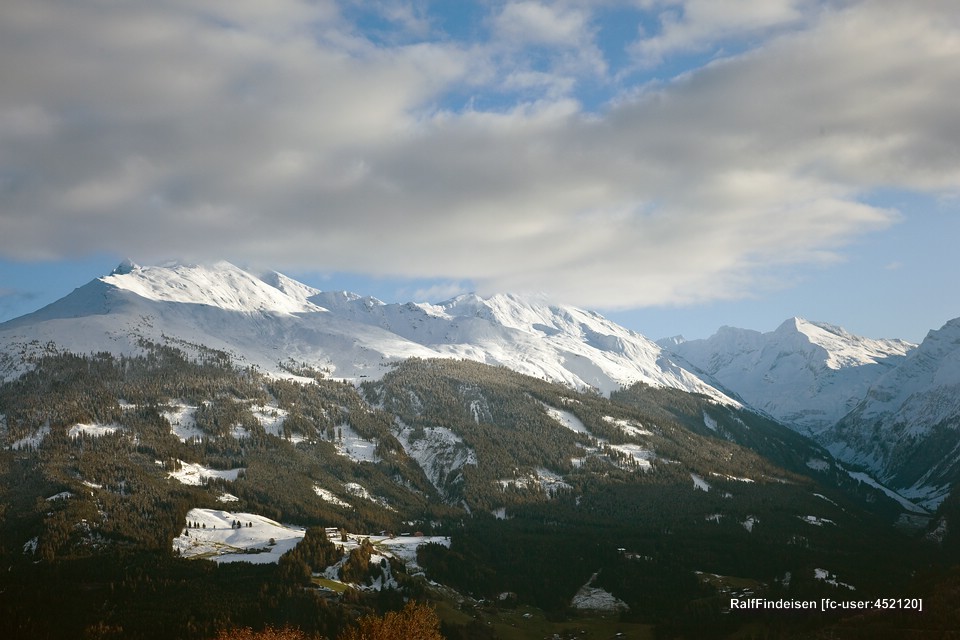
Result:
[{"x": 676, "y": 164}]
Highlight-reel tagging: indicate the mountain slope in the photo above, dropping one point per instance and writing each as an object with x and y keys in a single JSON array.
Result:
[
  {"x": 805, "y": 374},
  {"x": 907, "y": 427},
  {"x": 273, "y": 322},
  {"x": 655, "y": 495}
]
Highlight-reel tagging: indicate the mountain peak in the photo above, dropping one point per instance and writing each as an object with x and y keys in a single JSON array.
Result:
[
  {"x": 125, "y": 267},
  {"x": 796, "y": 324},
  {"x": 804, "y": 373},
  {"x": 220, "y": 284}
]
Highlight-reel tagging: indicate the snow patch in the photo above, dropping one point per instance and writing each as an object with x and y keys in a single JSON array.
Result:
[
  {"x": 567, "y": 419},
  {"x": 271, "y": 418},
  {"x": 197, "y": 474},
  {"x": 405, "y": 547},
  {"x": 360, "y": 491},
  {"x": 354, "y": 446},
  {"x": 906, "y": 504},
  {"x": 182, "y": 422},
  {"x": 327, "y": 496},
  {"x": 629, "y": 427},
  {"x": 438, "y": 450},
  {"x": 31, "y": 441},
  {"x": 94, "y": 430},
  {"x": 544, "y": 479},
  {"x": 709, "y": 422},
  {"x": 641, "y": 457},
  {"x": 591, "y": 598},
  {"x": 826, "y": 576},
  {"x": 699, "y": 483},
  {"x": 734, "y": 478},
  {"x": 212, "y": 534}
]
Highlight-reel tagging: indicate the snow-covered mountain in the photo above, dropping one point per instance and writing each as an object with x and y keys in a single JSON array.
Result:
[
  {"x": 272, "y": 321},
  {"x": 805, "y": 374},
  {"x": 886, "y": 406},
  {"x": 907, "y": 427}
]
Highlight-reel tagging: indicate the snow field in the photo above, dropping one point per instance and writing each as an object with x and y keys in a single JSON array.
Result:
[
  {"x": 355, "y": 446},
  {"x": 197, "y": 474},
  {"x": 438, "y": 452},
  {"x": 590, "y": 598},
  {"x": 403, "y": 548},
  {"x": 217, "y": 539},
  {"x": 829, "y": 578},
  {"x": 568, "y": 420},
  {"x": 628, "y": 426},
  {"x": 906, "y": 504},
  {"x": 547, "y": 480},
  {"x": 211, "y": 534},
  {"x": 327, "y": 496},
  {"x": 360, "y": 491},
  {"x": 95, "y": 430},
  {"x": 32, "y": 440},
  {"x": 182, "y": 423},
  {"x": 641, "y": 456},
  {"x": 699, "y": 483}
]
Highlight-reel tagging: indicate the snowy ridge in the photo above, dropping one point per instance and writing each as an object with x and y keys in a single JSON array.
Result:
[
  {"x": 221, "y": 285},
  {"x": 269, "y": 319},
  {"x": 806, "y": 374}
]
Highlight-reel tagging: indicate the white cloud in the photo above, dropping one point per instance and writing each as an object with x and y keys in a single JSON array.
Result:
[
  {"x": 282, "y": 137},
  {"x": 536, "y": 22},
  {"x": 439, "y": 292},
  {"x": 692, "y": 25}
]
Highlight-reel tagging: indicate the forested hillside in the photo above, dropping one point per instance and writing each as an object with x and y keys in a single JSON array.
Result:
[{"x": 663, "y": 501}]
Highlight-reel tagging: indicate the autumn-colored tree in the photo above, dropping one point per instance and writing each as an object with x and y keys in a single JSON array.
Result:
[
  {"x": 269, "y": 633},
  {"x": 414, "y": 622}
]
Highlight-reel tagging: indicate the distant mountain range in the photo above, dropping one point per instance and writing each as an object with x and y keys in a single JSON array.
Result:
[
  {"x": 888, "y": 406},
  {"x": 805, "y": 374}
]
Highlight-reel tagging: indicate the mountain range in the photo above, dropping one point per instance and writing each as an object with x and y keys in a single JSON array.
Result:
[
  {"x": 163, "y": 413},
  {"x": 887, "y": 407},
  {"x": 273, "y": 322}
]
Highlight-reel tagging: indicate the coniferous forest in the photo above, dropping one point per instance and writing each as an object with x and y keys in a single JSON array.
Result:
[{"x": 666, "y": 502}]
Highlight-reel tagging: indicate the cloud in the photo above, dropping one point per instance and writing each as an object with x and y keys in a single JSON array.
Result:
[
  {"x": 278, "y": 135},
  {"x": 439, "y": 292},
  {"x": 536, "y": 22},
  {"x": 692, "y": 25},
  {"x": 550, "y": 44}
]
